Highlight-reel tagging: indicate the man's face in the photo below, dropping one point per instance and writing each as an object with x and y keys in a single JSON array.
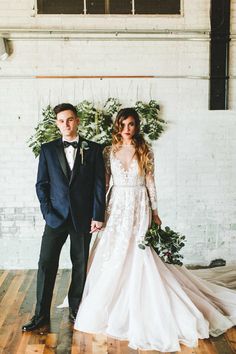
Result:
[{"x": 67, "y": 122}]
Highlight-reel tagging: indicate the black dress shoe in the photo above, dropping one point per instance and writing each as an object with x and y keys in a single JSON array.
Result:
[
  {"x": 72, "y": 315},
  {"x": 35, "y": 322}
]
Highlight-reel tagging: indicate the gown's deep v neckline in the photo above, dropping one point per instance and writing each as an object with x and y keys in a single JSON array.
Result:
[{"x": 122, "y": 167}]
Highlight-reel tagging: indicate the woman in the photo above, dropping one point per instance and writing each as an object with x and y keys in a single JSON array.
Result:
[{"x": 130, "y": 294}]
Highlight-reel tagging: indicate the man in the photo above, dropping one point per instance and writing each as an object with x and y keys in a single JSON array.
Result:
[{"x": 71, "y": 190}]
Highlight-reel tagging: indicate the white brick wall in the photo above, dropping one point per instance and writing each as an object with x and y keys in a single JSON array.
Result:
[
  {"x": 195, "y": 157},
  {"x": 109, "y": 58}
]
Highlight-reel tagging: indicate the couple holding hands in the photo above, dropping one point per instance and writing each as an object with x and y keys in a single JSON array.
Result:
[{"x": 125, "y": 292}]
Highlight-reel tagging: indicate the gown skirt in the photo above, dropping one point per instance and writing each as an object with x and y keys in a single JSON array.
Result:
[{"x": 130, "y": 294}]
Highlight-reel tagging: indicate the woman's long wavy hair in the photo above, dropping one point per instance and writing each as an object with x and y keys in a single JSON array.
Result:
[{"x": 142, "y": 149}]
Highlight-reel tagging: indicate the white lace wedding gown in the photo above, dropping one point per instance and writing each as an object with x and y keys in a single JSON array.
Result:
[{"x": 130, "y": 294}]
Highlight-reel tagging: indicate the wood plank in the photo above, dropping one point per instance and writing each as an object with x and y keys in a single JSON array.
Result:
[
  {"x": 75, "y": 348},
  {"x": 34, "y": 348},
  {"x": 16, "y": 319},
  {"x": 151, "y": 352},
  {"x": 51, "y": 343},
  {"x": 39, "y": 336},
  {"x": 7, "y": 321},
  {"x": 10, "y": 326},
  {"x": 221, "y": 345},
  {"x": 60, "y": 278},
  {"x": 231, "y": 338},
  {"x": 65, "y": 337},
  {"x": 28, "y": 304},
  {"x": 3, "y": 277},
  {"x": 65, "y": 328},
  {"x": 114, "y": 346},
  {"x": 99, "y": 343},
  {"x": 5, "y": 284},
  {"x": 81, "y": 343},
  {"x": 60, "y": 292},
  {"x": 186, "y": 350},
  {"x": 126, "y": 349},
  {"x": 23, "y": 343},
  {"x": 86, "y": 343},
  {"x": 205, "y": 346},
  {"x": 30, "y": 275},
  {"x": 18, "y": 303}
]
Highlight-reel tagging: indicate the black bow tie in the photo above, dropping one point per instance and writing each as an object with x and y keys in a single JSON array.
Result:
[{"x": 68, "y": 143}]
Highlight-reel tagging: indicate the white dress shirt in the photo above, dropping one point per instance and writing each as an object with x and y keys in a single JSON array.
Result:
[{"x": 70, "y": 153}]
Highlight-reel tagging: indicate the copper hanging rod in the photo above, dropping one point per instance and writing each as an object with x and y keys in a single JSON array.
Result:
[{"x": 97, "y": 77}]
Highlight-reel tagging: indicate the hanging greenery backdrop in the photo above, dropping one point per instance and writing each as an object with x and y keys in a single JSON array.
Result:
[{"x": 96, "y": 124}]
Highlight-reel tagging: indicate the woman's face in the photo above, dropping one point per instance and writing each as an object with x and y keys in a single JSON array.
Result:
[{"x": 128, "y": 128}]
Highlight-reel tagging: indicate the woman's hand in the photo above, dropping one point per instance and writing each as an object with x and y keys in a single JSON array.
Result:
[{"x": 156, "y": 219}]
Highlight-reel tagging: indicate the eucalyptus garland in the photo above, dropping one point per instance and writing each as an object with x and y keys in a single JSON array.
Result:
[
  {"x": 96, "y": 124},
  {"x": 45, "y": 131}
]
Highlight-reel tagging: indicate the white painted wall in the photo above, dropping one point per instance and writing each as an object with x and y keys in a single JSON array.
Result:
[{"x": 195, "y": 157}]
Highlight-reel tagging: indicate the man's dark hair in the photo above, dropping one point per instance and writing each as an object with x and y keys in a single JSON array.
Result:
[{"x": 64, "y": 107}]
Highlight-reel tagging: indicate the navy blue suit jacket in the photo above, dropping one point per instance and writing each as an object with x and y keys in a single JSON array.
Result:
[{"x": 82, "y": 194}]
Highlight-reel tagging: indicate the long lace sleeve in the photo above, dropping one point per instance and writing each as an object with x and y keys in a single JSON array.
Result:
[
  {"x": 107, "y": 161},
  {"x": 150, "y": 182}
]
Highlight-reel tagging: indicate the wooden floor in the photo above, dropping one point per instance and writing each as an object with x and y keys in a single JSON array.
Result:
[{"x": 17, "y": 302}]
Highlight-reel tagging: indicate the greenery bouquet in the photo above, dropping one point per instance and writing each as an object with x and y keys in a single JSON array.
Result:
[{"x": 166, "y": 243}]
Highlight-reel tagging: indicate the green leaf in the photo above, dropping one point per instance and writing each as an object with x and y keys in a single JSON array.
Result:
[{"x": 96, "y": 124}]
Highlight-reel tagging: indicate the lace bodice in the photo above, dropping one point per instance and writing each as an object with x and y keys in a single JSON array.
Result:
[{"x": 123, "y": 168}]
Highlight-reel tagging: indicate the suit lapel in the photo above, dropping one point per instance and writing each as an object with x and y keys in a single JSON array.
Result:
[
  {"x": 62, "y": 157},
  {"x": 77, "y": 162}
]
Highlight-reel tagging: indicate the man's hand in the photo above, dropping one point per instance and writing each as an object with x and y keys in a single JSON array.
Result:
[{"x": 95, "y": 226}]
